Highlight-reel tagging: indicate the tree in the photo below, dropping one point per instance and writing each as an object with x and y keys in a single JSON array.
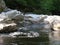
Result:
[
  {"x": 56, "y": 5},
  {"x": 46, "y": 6}
]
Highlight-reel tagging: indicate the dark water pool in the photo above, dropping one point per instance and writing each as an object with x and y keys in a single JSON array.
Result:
[{"x": 53, "y": 38}]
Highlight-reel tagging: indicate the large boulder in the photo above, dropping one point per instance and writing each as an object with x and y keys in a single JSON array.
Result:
[
  {"x": 10, "y": 20},
  {"x": 40, "y": 22},
  {"x": 56, "y": 25},
  {"x": 5, "y": 28}
]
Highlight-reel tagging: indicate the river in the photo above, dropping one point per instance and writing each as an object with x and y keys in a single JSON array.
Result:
[
  {"x": 46, "y": 36},
  {"x": 53, "y": 38}
]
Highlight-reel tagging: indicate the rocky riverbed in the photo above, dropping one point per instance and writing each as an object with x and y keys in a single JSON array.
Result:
[
  {"x": 17, "y": 28},
  {"x": 14, "y": 21}
]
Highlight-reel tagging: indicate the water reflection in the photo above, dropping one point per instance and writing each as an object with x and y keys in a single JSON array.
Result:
[
  {"x": 42, "y": 40},
  {"x": 54, "y": 37},
  {"x": 9, "y": 41}
]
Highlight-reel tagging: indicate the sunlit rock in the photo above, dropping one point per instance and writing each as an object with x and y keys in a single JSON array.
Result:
[
  {"x": 12, "y": 13},
  {"x": 30, "y": 34},
  {"x": 8, "y": 27},
  {"x": 56, "y": 25},
  {"x": 45, "y": 21},
  {"x": 14, "y": 34},
  {"x": 2, "y": 17},
  {"x": 17, "y": 34},
  {"x": 9, "y": 20},
  {"x": 35, "y": 18},
  {"x": 54, "y": 22},
  {"x": 50, "y": 19},
  {"x": 35, "y": 34}
]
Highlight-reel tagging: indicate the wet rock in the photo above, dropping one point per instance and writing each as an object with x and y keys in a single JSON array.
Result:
[
  {"x": 10, "y": 20},
  {"x": 6, "y": 28},
  {"x": 56, "y": 25}
]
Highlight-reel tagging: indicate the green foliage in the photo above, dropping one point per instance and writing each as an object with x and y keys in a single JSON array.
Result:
[
  {"x": 33, "y": 3},
  {"x": 39, "y": 6},
  {"x": 23, "y": 2},
  {"x": 1, "y": 9},
  {"x": 46, "y": 5},
  {"x": 56, "y": 4}
]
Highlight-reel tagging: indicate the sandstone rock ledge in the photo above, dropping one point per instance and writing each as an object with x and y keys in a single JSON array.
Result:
[{"x": 7, "y": 28}]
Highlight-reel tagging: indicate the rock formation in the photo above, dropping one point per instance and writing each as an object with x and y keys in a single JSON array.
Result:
[
  {"x": 42, "y": 21},
  {"x": 10, "y": 20},
  {"x": 56, "y": 25},
  {"x": 2, "y": 5}
]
